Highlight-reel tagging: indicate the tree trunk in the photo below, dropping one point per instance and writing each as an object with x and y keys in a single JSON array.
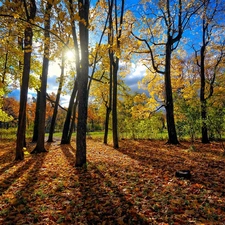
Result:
[
  {"x": 205, "y": 138},
  {"x": 114, "y": 61},
  {"x": 108, "y": 111},
  {"x": 21, "y": 131},
  {"x": 72, "y": 126},
  {"x": 53, "y": 121},
  {"x": 41, "y": 125},
  {"x": 23, "y": 94},
  {"x": 36, "y": 120},
  {"x": 114, "y": 106},
  {"x": 172, "y": 135},
  {"x": 109, "y": 106},
  {"x": 82, "y": 85},
  {"x": 65, "y": 135}
]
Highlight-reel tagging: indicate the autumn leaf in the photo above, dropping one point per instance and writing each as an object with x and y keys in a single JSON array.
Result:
[{"x": 131, "y": 185}]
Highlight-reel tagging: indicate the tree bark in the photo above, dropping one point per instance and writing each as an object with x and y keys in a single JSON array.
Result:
[
  {"x": 114, "y": 62},
  {"x": 21, "y": 131},
  {"x": 72, "y": 126},
  {"x": 23, "y": 94},
  {"x": 108, "y": 111},
  {"x": 114, "y": 106},
  {"x": 82, "y": 85},
  {"x": 172, "y": 135},
  {"x": 36, "y": 120},
  {"x": 65, "y": 135},
  {"x": 42, "y": 113},
  {"x": 109, "y": 103},
  {"x": 205, "y": 138},
  {"x": 54, "y": 116}
]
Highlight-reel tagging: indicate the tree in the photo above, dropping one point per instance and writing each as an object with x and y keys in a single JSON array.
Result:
[
  {"x": 36, "y": 119},
  {"x": 42, "y": 110},
  {"x": 209, "y": 30},
  {"x": 163, "y": 32},
  {"x": 54, "y": 116},
  {"x": 11, "y": 106},
  {"x": 28, "y": 35},
  {"x": 114, "y": 41},
  {"x": 11, "y": 48},
  {"x": 67, "y": 125},
  {"x": 82, "y": 84},
  {"x": 8, "y": 111}
]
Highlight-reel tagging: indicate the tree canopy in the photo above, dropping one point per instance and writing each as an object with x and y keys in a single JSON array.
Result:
[{"x": 181, "y": 44}]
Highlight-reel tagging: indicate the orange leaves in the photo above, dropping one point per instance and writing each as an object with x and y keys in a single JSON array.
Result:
[{"x": 132, "y": 185}]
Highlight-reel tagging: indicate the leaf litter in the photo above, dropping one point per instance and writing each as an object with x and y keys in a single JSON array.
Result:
[{"x": 135, "y": 184}]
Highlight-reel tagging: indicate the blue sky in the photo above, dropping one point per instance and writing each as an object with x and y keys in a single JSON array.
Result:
[{"x": 136, "y": 74}]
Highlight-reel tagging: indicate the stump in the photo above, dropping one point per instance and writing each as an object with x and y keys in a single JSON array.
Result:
[{"x": 185, "y": 174}]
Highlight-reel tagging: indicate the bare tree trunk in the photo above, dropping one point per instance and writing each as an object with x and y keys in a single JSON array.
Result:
[
  {"x": 172, "y": 135},
  {"x": 72, "y": 126},
  {"x": 109, "y": 103},
  {"x": 42, "y": 113},
  {"x": 205, "y": 138},
  {"x": 53, "y": 121},
  {"x": 36, "y": 120},
  {"x": 65, "y": 135},
  {"x": 114, "y": 106},
  {"x": 20, "y": 142},
  {"x": 108, "y": 110},
  {"x": 23, "y": 94},
  {"x": 114, "y": 36},
  {"x": 82, "y": 85}
]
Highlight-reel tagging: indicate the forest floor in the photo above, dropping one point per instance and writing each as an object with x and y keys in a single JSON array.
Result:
[{"x": 135, "y": 184}]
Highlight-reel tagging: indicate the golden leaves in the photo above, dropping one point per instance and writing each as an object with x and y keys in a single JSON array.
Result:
[
  {"x": 16, "y": 15},
  {"x": 135, "y": 184}
]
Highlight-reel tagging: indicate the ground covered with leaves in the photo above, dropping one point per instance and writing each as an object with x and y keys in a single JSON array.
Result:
[{"x": 135, "y": 184}]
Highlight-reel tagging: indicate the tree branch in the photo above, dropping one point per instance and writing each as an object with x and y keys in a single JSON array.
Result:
[
  {"x": 53, "y": 101},
  {"x": 36, "y": 25},
  {"x": 151, "y": 53}
]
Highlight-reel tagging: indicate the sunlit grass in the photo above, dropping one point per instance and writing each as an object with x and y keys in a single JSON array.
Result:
[{"x": 10, "y": 134}]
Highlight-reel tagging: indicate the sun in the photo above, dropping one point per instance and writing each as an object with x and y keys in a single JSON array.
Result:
[{"x": 70, "y": 55}]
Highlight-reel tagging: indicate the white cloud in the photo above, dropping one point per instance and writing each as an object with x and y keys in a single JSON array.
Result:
[
  {"x": 138, "y": 71},
  {"x": 54, "y": 69},
  {"x": 54, "y": 72},
  {"x": 64, "y": 100}
]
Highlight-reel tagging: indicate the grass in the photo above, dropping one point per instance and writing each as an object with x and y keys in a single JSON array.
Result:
[{"x": 10, "y": 134}]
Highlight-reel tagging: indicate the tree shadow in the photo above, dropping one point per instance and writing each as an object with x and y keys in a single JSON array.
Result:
[
  {"x": 169, "y": 158},
  {"x": 100, "y": 200},
  {"x": 6, "y": 153},
  {"x": 8, "y": 181},
  {"x": 69, "y": 152},
  {"x": 104, "y": 201},
  {"x": 8, "y": 166},
  {"x": 19, "y": 211},
  {"x": 154, "y": 154}
]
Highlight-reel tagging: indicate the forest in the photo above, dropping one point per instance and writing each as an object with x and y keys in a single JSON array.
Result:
[{"x": 103, "y": 103}]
